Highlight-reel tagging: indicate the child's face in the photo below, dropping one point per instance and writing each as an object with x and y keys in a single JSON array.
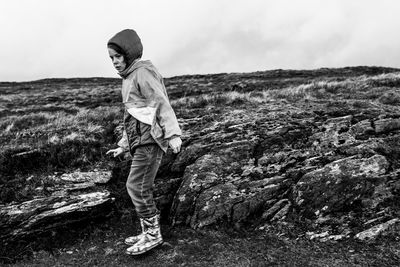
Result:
[{"x": 117, "y": 60}]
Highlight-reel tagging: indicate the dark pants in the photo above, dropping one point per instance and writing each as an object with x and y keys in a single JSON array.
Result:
[{"x": 140, "y": 182}]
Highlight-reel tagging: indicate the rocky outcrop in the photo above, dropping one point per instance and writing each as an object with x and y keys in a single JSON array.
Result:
[
  {"x": 208, "y": 196},
  {"x": 236, "y": 170},
  {"x": 78, "y": 200},
  {"x": 278, "y": 164}
]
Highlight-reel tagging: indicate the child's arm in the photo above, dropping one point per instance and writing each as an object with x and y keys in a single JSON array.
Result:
[
  {"x": 123, "y": 142},
  {"x": 123, "y": 145}
]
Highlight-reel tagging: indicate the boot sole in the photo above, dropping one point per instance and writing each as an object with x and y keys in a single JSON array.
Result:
[{"x": 145, "y": 250}]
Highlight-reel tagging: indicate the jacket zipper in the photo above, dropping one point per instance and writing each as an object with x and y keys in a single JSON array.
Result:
[
  {"x": 138, "y": 132},
  {"x": 138, "y": 128}
]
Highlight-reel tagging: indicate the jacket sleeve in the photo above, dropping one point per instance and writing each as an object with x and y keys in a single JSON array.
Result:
[
  {"x": 123, "y": 143},
  {"x": 153, "y": 89}
]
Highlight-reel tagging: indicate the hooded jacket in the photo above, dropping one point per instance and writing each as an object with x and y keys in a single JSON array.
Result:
[
  {"x": 130, "y": 43},
  {"x": 145, "y": 99}
]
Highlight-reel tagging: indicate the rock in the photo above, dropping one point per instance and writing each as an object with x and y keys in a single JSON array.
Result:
[
  {"x": 281, "y": 214},
  {"x": 325, "y": 236},
  {"x": 312, "y": 235},
  {"x": 374, "y": 221},
  {"x": 213, "y": 204},
  {"x": 367, "y": 148},
  {"x": 339, "y": 184},
  {"x": 361, "y": 129},
  {"x": 256, "y": 199},
  {"x": 333, "y": 133},
  {"x": 97, "y": 177},
  {"x": 268, "y": 214},
  {"x": 66, "y": 205},
  {"x": 382, "y": 193},
  {"x": 207, "y": 196},
  {"x": 380, "y": 229},
  {"x": 164, "y": 192},
  {"x": 386, "y": 125},
  {"x": 197, "y": 178},
  {"x": 188, "y": 156}
]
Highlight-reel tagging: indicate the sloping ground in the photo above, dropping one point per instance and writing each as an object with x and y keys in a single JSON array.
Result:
[
  {"x": 315, "y": 150},
  {"x": 102, "y": 245}
]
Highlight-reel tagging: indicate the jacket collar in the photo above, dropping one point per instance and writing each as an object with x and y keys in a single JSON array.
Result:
[{"x": 129, "y": 69}]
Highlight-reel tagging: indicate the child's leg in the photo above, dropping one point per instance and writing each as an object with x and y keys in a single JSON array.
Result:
[{"x": 140, "y": 182}]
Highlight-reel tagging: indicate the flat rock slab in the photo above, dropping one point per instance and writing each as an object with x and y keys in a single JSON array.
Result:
[
  {"x": 98, "y": 177},
  {"x": 380, "y": 229},
  {"x": 67, "y": 204}
]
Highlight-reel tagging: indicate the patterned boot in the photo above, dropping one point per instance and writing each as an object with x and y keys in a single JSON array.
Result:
[
  {"x": 150, "y": 238},
  {"x": 130, "y": 241}
]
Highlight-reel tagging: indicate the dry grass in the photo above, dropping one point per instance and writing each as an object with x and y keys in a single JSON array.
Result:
[
  {"x": 19, "y": 123},
  {"x": 226, "y": 98},
  {"x": 60, "y": 125},
  {"x": 46, "y": 142},
  {"x": 362, "y": 87},
  {"x": 382, "y": 87}
]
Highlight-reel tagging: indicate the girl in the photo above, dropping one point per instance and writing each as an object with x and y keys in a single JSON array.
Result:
[{"x": 150, "y": 126}]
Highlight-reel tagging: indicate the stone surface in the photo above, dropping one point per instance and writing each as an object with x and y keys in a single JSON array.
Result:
[
  {"x": 387, "y": 125},
  {"x": 97, "y": 177},
  {"x": 380, "y": 229},
  {"x": 325, "y": 236},
  {"x": 281, "y": 204},
  {"x": 67, "y": 204},
  {"x": 339, "y": 184},
  {"x": 210, "y": 193},
  {"x": 333, "y": 133}
]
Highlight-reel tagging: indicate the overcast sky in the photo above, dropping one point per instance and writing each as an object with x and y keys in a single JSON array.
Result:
[{"x": 54, "y": 38}]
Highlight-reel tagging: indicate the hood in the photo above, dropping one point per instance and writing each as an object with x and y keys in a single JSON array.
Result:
[
  {"x": 136, "y": 65},
  {"x": 130, "y": 43}
]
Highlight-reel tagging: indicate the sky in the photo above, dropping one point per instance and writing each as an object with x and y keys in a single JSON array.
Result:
[{"x": 67, "y": 38}]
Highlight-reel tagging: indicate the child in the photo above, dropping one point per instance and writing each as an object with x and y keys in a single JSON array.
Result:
[{"x": 150, "y": 125}]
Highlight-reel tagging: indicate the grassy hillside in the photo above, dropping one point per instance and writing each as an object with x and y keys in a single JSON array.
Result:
[
  {"x": 52, "y": 126},
  {"x": 56, "y": 125}
]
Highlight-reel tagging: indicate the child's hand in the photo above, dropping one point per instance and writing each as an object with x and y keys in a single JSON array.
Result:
[
  {"x": 175, "y": 143},
  {"x": 116, "y": 152}
]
